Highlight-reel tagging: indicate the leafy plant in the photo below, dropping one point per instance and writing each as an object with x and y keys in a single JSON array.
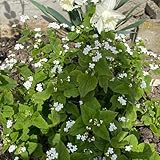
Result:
[{"x": 76, "y": 97}]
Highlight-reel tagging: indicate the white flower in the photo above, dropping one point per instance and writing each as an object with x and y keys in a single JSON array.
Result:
[
  {"x": 122, "y": 119},
  {"x": 91, "y": 65},
  {"x": 18, "y": 46},
  {"x": 122, "y": 101},
  {"x": 128, "y": 148},
  {"x": 143, "y": 84},
  {"x": 153, "y": 66},
  {"x": 77, "y": 45},
  {"x": 14, "y": 26},
  {"x": 58, "y": 106},
  {"x": 37, "y": 29},
  {"x": 95, "y": 1},
  {"x": 27, "y": 85},
  {"x": 37, "y": 35},
  {"x": 16, "y": 158},
  {"x": 23, "y": 18},
  {"x": 72, "y": 148},
  {"x": 64, "y": 25},
  {"x": 80, "y": 103},
  {"x": 145, "y": 73},
  {"x": 23, "y": 149},
  {"x": 122, "y": 75},
  {"x": 12, "y": 148},
  {"x": 114, "y": 157},
  {"x": 39, "y": 87},
  {"x": 69, "y": 125},
  {"x": 112, "y": 127},
  {"x": 109, "y": 151},
  {"x": 67, "y": 4},
  {"x": 57, "y": 69},
  {"x": 52, "y": 154},
  {"x": 87, "y": 49},
  {"x": 9, "y": 123},
  {"x": 54, "y": 25},
  {"x": 105, "y": 18},
  {"x": 35, "y": 16},
  {"x": 36, "y": 46},
  {"x": 97, "y": 57}
]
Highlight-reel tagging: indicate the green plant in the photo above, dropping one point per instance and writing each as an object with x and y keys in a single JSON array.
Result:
[
  {"x": 76, "y": 13},
  {"x": 76, "y": 97}
]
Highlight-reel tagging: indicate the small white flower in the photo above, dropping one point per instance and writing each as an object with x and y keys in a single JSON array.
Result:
[
  {"x": 122, "y": 119},
  {"x": 16, "y": 158},
  {"x": 27, "y": 84},
  {"x": 14, "y": 26},
  {"x": 39, "y": 87},
  {"x": 72, "y": 148},
  {"x": 122, "y": 75},
  {"x": 12, "y": 148},
  {"x": 52, "y": 154},
  {"x": 143, "y": 84},
  {"x": 109, "y": 151},
  {"x": 80, "y": 103},
  {"x": 73, "y": 28},
  {"x": 153, "y": 66},
  {"x": 78, "y": 137},
  {"x": 35, "y": 16},
  {"x": 23, "y": 18},
  {"x": 54, "y": 25},
  {"x": 77, "y": 45},
  {"x": 9, "y": 123},
  {"x": 69, "y": 125},
  {"x": 87, "y": 49},
  {"x": 97, "y": 57},
  {"x": 128, "y": 148},
  {"x": 95, "y": 1},
  {"x": 112, "y": 127},
  {"x": 57, "y": 69},
  {"x": 36, "y": 46},
  {"x": 122, "y": 100},
  {"x": 58, "y": 106},
  {"x": 23, "y": 149},
  {"x": 114, "y": 157},
  {"x": 37, "y": 35},
  {"x": 18, "y": 46},
  {"x": 91, "y": 65},
  {"x": 37, "y": 29},
  {"x": 138, "y": 105},
  {"x": 145, "y": 73},
  {"x": 64, "y": 25}
]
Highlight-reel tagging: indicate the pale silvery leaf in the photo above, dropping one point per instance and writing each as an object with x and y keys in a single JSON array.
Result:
[{"x": 105, "y": 18}]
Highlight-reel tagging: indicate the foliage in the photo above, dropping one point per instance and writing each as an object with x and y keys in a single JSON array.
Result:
[{"x": 77, "y": 97}]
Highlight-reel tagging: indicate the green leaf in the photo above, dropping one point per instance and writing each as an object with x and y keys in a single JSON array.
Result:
[
  {"x": 78, "y": 128},
  {"x": 75, "y": 17},
  {"x": 14, "y": 136},
  {"x": 87, "y": 113},
  {"x": 63, "y": 153},
  {"x": 103, "y": 82},
  {"x": 39, "y": 76},
  {"x": 92, "y": 102},
  {"x": 57, "y": 16},
  {"x": 80, "y": 156},
  {"x": 39, "y": 122},
  {"x": 72, "y": 92},
  {"x": 54, "y": 117},
  {"x": 121, "y": 3},
  {"x": 72, "y": 109},
  {"x": 8, "y": 111},
  {"x": 101, "y": 132},
  {"x": 134, "y": 25},
  {"x": 102, "y": 68},
  {"x": 107, "y": 116},
  {"x": 25, "y": 71},
  {"x": 87, "y": 83},
  {"x": 31, "y": 147},
  {"x": 147, "y": 120}
]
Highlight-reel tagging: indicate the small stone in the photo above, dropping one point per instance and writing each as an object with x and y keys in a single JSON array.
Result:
[
  {"x": 157, "y": 2},
  {"x": 155, "y": 139},
  {"x": 152, "y": 9}
]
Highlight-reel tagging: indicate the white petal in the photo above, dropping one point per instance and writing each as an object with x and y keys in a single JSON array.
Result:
[
  {"x": 99, "y": 25},
  {"x": 109, "y": 4}
]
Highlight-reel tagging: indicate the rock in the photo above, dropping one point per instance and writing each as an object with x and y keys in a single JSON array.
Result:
[
  {"x": 152, "y": 9},
  {"x": 149, "y": 31},
  {"x": 157, "y": 2},
  {"x": 139, "y": 11}
]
